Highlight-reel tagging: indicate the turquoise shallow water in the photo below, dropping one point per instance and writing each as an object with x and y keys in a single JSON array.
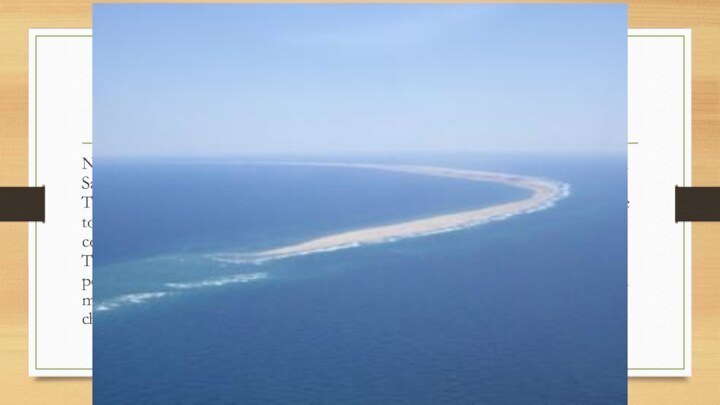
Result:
[{"x": 530, "y": 308}]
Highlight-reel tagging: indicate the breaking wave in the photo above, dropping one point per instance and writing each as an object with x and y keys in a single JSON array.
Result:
[{"x": 174, "y": 288}]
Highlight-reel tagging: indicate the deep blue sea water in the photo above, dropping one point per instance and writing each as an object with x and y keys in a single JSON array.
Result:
[{"x": 531, "y": 309}]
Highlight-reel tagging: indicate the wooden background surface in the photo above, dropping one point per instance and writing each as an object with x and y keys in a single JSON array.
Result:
[{"x": 17, "y": 16}]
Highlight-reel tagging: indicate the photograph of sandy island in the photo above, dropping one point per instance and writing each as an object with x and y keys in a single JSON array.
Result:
[
  {"x": 360, "y": 203},
  {"x": 543, "y": 194}
]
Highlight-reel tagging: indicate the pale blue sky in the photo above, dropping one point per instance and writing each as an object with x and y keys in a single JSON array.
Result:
[{"x": 219, "y": 80}]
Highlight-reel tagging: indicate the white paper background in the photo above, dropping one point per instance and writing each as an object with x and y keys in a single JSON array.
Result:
[
  {"x": 659, "y": 321},
  {"x": 62, "y": 106},
  {"x": 659, "y": 158}
]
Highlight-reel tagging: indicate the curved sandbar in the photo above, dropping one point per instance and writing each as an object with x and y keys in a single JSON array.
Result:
[{"x": 544, "y": 194}]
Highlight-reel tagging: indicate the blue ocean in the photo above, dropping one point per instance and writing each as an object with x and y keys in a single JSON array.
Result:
[{"x": 530, "y": 309}]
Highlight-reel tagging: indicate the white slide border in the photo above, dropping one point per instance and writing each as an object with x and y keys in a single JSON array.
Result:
[
  {"x": 58, "y": 344},
  {"x": 660, "y": 341}
]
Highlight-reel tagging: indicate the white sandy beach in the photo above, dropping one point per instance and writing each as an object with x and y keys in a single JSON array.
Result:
[{"x": 544, "y": 193}]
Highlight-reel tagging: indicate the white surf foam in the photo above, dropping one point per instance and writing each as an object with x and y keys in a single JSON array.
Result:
[
  {"x": 129, "y": 299},
  {"x": 217, "y": 282},
  {"x": 145, "y": 297}
]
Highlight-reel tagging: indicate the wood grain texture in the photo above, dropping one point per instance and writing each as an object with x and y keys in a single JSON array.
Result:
[{"x": 17, "y": 16}]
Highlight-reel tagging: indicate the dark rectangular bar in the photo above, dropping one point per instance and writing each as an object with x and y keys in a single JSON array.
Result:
[
  {"x": 697, "y": 204},
  {"x": 26, "y": 204}
]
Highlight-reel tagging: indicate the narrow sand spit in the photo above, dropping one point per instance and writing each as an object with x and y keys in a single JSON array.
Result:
[{"x": 544, "y": 194}]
